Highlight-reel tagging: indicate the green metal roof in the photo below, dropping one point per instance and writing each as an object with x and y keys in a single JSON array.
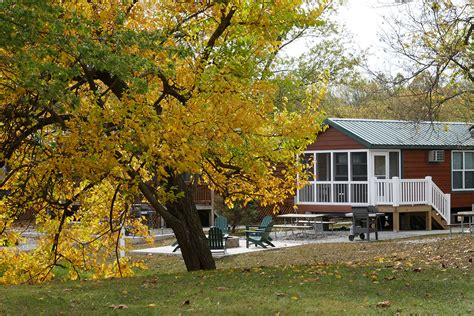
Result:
[{"x": 405, "y": 134}]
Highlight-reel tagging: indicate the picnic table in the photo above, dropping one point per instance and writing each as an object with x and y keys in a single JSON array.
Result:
[
  {"x": 300, "y": 221},
  {"x": 375, "y": 215},
  {"x": 470, "y": 216}
]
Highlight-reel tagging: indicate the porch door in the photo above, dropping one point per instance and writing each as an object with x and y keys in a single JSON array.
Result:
[
  {"x": 380, "y": 170},
  {"x": 380, "y": 165}
]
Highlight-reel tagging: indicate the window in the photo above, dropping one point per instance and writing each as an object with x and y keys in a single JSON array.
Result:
[
  {"x": 323, "y": 167},
  {"x": 463, "y": 170},
  {"x": 359, "y": 166},
  {"x": 341, "y": 169}
]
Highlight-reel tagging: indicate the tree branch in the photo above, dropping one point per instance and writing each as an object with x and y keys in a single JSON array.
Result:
[{"x": 223, "y": 25}]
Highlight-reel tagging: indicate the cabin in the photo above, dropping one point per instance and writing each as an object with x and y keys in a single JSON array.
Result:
[
  {"x": 418, "y": 173},
  {"x": 204, "y": 199}
]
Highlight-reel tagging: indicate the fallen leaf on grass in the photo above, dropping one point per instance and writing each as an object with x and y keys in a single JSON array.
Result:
[
  {"x": 390, "y": 278},
  {"x": 383, "y": 304},
  {"x": 118, "y": 306},
  {"x": 152, "y": 305}
]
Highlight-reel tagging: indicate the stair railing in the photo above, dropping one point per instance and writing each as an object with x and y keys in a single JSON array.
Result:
[{"x": 398, "y": 192}]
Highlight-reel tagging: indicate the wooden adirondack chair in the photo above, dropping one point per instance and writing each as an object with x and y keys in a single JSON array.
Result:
[
  {"x": 216, "y": 239},
  {"x": 260, "y": 237},
  {"x": 221, "y": 222}
]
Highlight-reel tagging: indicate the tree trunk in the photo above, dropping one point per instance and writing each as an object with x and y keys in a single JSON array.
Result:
[
  {"x": 182, "y": 216},
  {"x": 191, "y": 238}
]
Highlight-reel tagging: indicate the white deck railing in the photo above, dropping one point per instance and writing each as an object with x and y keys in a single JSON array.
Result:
[
  {"x": 398, "y": 192},
  {"x": 336, "y": 192},
  {"x": 441, "y": 202},
  {"x": 394, "y": 192}
]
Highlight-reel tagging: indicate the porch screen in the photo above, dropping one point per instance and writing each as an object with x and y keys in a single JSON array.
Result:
[
  {"x": 341, "y": 167},
  {"x": 359, "y": 166},
  {"x": 323, "y": 167}
]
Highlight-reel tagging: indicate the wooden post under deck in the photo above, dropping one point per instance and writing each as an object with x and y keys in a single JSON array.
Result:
[
  {"x": 396, "y": 220},
  {"x": 428, "y": 220}
]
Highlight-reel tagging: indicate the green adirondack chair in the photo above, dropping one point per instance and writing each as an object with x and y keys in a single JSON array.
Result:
[
  {"x": 216, "y": 240},
  {"x": 265, "y": 221},
  {"x": 260, "y": 237},
  {"x": 175, "y": 245},
  {"x": 221, "y": 222},
  {"x": 215, "y": 237}
]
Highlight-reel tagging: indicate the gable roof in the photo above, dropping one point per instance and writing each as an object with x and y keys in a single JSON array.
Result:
[{"x": 406, "y": 134}]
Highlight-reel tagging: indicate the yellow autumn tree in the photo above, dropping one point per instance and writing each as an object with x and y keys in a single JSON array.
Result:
[{"x": 104, "y": 101}]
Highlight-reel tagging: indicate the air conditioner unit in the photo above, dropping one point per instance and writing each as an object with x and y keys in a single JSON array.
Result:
[{"x": 436, "y": 156}]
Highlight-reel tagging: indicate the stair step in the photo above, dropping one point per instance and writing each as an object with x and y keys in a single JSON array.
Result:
[{"x": 439, "y": 219}]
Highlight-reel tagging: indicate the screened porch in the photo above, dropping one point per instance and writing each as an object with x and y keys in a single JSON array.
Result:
[
  {"x": 367, "y": 177},
  {"x": 342, "y": 177}
]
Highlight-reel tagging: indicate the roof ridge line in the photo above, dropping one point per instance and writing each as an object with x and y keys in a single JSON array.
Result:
[{"x": 394, "y": 121}]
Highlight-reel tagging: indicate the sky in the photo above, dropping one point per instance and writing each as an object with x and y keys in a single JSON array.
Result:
[{"x": 365, "y": 20}]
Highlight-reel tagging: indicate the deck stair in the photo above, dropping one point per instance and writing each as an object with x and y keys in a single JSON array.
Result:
[
  {"x": 398, "y": 192},
  {"x": 394, "y": 192},
  {"x": 438, "y": 220}
]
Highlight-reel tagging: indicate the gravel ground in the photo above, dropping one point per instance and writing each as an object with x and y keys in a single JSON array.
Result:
[
  {"x": 303, "y": 237},
  {"x": 342, "y": 236}
]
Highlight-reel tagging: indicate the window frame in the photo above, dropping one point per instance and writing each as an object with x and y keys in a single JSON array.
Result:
[
  {"x": 329, "y": 171},
  {"x": 332, "y": 182},
  {"x": 365, "y": 164},
  {"x": 463, "y": 171},
  {"x": 336, "y": 165}
]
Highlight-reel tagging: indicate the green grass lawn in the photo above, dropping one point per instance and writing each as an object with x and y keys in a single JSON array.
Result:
[
  {"x": 288, "y": 291},
  {"x": 272, "y": 283}
]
